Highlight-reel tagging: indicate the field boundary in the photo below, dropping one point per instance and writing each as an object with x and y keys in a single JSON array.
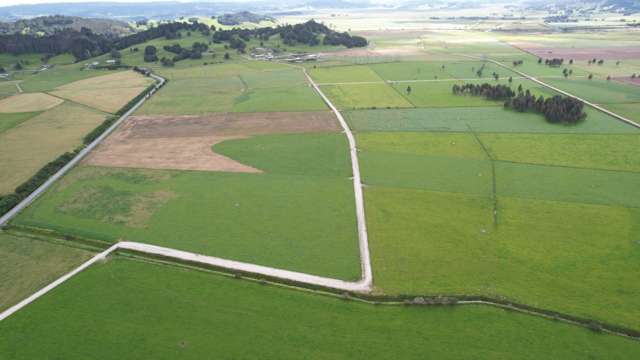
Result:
[
  {"x": 363, "y": 240},
  {"x": 171, "y": 257},
  {"x": 4, "y": 219}
]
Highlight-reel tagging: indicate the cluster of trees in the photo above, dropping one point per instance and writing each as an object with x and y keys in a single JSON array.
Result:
[
  {"x": 150, "y": 54},
  {"x": 491, "y": 92},
  {"x": 566, "y": 72},
  {"x": 595, "y": 61},
  {"x": 81, "y": 44},
  {"x": 197, "y": 48},
  {"x": 556, "y": 109},
  {"x": 517, "y": 62},
  {"x": 554, "y": 62}
]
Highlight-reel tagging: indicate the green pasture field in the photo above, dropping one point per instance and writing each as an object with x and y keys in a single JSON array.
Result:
[
  {"x": 299, "y": 154},
  {"x": 450, "y": 162},
  {"x": 344, "y": 74},
  {"x": 172, "y": 320},
  {"x": 569, "y": 257},
  {"x": 28, "y": 146},
  {"x": 29, "y": 61},
  {"x": 365, "y": 96},
  {"x": 245, "y": 217},
  {"x": 631, "y": 111},
  {"x": 233, "y": 87},
  {"x": 306, "y": 183},
  {"x": 531, "y": 67},
  {"x": 599, "y": 91},
  {"x": 479, "y": 119},
  {"x": 438, "y": 173},
  {"x": 412, "y": 70},
  {"x": 588, "y": 186},
  {"x": 11, "y": 120},
  {"x": 58, "y": 76},
  {"x": 27, "y": 265},
  {"x": 439, "y": 94},
  {"x": 601, "y": 151},
  {"x": 7, "y": 89}
]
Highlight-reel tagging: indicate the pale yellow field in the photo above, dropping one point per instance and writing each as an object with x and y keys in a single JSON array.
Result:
[
  {"x": 28, "y": 103},
  {"x": 107, "y": 93},
  {"x": 30, "y": 145}
]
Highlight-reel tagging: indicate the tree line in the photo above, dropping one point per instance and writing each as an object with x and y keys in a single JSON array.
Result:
[
  {"x": 556, "y": 109},
  {"x": 85, "y": 44}
]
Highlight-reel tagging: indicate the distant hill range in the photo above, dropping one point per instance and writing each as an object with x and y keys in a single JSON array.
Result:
[
  {"x": 570, "y": 7},
  {"x": 48, "y": 25},
  {"x": 242, "y": 17},
  {"x": 167, "y": 10}
]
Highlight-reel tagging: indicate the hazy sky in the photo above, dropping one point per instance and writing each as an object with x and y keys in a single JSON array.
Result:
[{"x": 22, "y": 2}]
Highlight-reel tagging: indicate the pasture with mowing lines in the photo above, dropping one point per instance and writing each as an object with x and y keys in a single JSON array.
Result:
[
  {"x": 10, "y": 120},
  {"x": 29, "y": 264},
  {"x": 28, "y": 146},
  {"x": 365, "y": 96},
  {"x": 171, "y": 320},
  {"x": 233, "y": 87},
  {"x": 108, "y": 93},
  {"x": 30, "y": 102}
]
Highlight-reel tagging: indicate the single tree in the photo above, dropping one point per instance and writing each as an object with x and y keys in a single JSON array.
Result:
[
  {"x": 409, "y": 90},
  {"x": 227, "y": 56}
]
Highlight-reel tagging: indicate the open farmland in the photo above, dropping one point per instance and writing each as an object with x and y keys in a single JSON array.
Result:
[
  {"x": 286, "y": 168},
  {"x": 278, "y": 320},
  {"x": 233, "y": 88},
  {"x": 55, "y": 132},
  {"x": 107, "y": 93},
  {"x": 507, "y": 177},
  {"x": 349, "y": 202},
  {"x": 28, "y": 264}
]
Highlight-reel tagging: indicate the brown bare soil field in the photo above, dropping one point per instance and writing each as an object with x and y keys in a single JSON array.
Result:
[
  {"x": 28, "y": 102},
  {"x": 618, "y": 53},
  {"x": 185, "y": 142}
]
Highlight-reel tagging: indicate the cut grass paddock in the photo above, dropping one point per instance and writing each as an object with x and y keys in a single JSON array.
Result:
[
  {"x": 8, "y": 121},
  {"x": 172, "y": 320},
  {"x": 27, "y": 265},
  {"x": 28, "y": 146},
  {"x": 107, "y": 93},
  {"x": 28, "y": 103}
]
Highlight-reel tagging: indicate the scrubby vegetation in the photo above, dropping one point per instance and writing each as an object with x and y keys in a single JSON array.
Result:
[{"x": 310, "y": 33}]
